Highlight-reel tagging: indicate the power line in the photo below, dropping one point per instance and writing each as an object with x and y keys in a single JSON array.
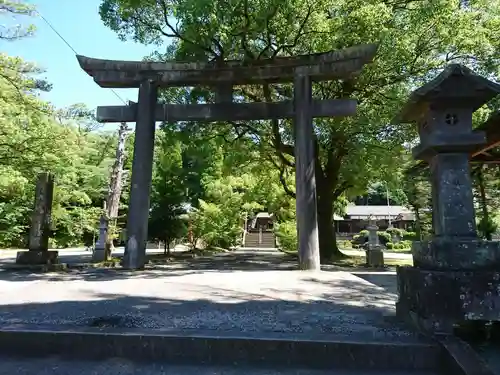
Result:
[{"x": 71, "y": 48}]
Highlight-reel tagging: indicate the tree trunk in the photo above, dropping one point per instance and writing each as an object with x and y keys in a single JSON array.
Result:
[
  {"x": 167, "y": 243},
  {"x": 418, "y": 224},
  {"x": 328, "y": 248},
  {"x": 165, "y": 246},
  {"x": 116, "y": 181}
]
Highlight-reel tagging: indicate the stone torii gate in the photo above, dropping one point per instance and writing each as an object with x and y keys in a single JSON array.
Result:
[{"x": 149, "y": 76}]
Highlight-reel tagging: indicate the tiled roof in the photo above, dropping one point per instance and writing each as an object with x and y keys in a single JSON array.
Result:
[{"x": 360, "y": 212}]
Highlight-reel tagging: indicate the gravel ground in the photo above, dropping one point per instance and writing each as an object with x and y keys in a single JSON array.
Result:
[
  {"x": 232, "y": 293},
  {"x": 53, "y": 366},
  {"x": 490, "y": 354}
]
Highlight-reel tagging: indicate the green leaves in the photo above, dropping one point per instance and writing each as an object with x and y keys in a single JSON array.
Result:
[
  {"x": 35, "y": 138},
  {"x": 10, "y": 9},
  {"x": 415, "y": 38}
]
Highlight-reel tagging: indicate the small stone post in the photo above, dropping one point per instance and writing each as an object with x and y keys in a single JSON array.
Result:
[
  {"x": 99, "y": 254},
  {"x": 374, "y": 253},
  {"x": 40, "y": 225},
  {"x": 456, "y": 275}
]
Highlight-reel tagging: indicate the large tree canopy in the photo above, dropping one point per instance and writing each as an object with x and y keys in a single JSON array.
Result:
[{"x": 415, "y": 38}]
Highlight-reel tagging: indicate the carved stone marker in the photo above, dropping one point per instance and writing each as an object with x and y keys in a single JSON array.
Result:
[
  {"x": 456, "y": 275},
  {"x": 38, "y": 252},
  {"x": 99, "y": 253},
  {"x": 374, "y": 253}
]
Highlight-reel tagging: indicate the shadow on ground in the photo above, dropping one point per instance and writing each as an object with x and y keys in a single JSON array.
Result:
[
  {"x": 344, "y": 308},
  {"x": 385, "y": 280},
  {"x": 182, "y": 265},
  {"x": 176, "y": 267}
]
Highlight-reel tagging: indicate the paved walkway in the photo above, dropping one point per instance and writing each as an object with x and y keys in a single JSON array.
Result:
[{"x": 252, "y": 293}]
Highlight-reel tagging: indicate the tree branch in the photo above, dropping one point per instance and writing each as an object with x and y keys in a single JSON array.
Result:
[{"x": 282, "y": 177}]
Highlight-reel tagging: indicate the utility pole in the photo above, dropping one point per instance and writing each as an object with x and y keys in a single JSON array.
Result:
[{"x": 388, "y": 205}]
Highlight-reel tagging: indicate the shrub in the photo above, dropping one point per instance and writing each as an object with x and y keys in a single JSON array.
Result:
[
  {"x": 286, "y": 233},
  {"x": 346, "y": 244},
  {"x": 405, "y": 244},
  {"x": 359, "y": 239},
  {"x": 396, "y": 231},
  {"x": 384, "y": 237},
  {"x": 410, "y": 236},
  {"x": 362, "y": 238},
  {"x": 389, "y": 245},
  {"x": 486, "y": 227}
]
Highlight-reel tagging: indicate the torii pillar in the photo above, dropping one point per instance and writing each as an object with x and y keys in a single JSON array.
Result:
[
  {"x": 142, "y": 171},
  {"x": 305, "y": 176}
]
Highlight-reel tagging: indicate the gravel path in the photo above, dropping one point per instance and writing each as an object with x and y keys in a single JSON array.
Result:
[
  {"x": 490, "y": 354},
  {"x": 232, "y": 293},
  {"x": 53, "y": 366}
]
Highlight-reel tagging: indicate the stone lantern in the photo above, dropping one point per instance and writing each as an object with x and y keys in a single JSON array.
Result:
[
  {"x": 99, "y": 254},
  {"x": 456, "y": 275},
  {"x": 374, "y": 253}
]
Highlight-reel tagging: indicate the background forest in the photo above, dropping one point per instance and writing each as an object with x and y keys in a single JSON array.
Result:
[{"x": 218, "y": 173}]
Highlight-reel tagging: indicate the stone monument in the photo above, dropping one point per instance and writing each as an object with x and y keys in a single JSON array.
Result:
[
  {"x": 99, "y": 254},
  {"x": 39, "y": 252},
  {"x": 456, "y": 276},
  {"x": 374, "y": 253}
]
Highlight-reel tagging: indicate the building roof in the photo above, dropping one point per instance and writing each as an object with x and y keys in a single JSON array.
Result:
[
  {"x": 378, "y": 212},
  {"x": 263, "y": 215}
]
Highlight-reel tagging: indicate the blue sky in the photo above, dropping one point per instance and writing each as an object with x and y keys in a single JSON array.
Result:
[{"x": 79, "y": 23}]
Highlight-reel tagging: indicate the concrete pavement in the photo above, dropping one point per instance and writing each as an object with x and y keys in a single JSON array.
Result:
[{"x": 387, "y": 254}]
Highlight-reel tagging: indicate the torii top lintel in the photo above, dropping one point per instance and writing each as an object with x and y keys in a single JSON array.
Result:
[{"x": 321, "y": 66}]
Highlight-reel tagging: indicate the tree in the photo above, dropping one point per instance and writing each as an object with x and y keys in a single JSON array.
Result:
[
  {"x": 486, "y": 184},
  {"x": 416, "y": 186},
  {"x": 168, "y": 192},
  {"x": 15, "y": 8},
  {"x": 415, "y": 40},
  {"x": 34, "y": 138},
  {"x": 378, "y": 194}
]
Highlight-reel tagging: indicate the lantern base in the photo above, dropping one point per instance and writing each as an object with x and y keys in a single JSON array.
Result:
[
  {"x": 438, "y": 301},
  {"x": 375, "y": 258},
  {"x": 442, "y": 253}
]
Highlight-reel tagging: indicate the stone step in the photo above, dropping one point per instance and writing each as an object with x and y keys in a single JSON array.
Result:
[
  {"x": 253, "y": 244},
  {"x": 270, "y": 240},
  {"x": 272, "y": 250},
  {"x": 256, "y": 241},
  {"x": 391, "y": 355}
]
